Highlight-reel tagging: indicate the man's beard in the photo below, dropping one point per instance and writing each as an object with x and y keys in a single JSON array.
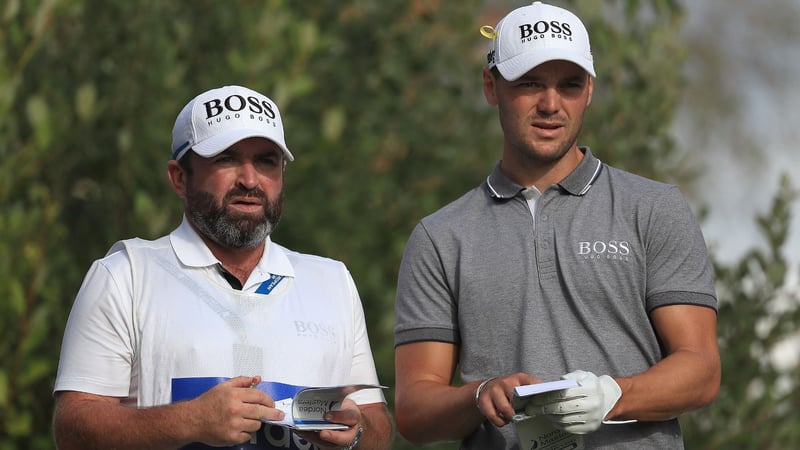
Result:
[{"x": 239, "y": 231}]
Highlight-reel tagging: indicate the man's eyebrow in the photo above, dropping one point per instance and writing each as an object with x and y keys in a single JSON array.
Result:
[{"x": 526, "y": 77}]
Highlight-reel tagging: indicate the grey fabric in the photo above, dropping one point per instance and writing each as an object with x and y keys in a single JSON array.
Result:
[{"x": 572, "y": 292}]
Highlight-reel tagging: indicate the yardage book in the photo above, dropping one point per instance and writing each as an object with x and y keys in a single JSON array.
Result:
[
  {"x": 548, "y": 386},
  {"x": 523, "y": 393},
  {"x": 305, "y": 410},
  {"x": 303, "y": 406}
]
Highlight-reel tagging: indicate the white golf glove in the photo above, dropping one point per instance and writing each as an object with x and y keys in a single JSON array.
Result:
[{"x": 582, "y": 409}]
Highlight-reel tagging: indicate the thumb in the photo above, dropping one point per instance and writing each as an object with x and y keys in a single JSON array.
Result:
[{"x": 245, "y": 382}]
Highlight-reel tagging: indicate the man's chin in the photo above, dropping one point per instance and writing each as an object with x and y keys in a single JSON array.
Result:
[{"x": 247, "y": 220}]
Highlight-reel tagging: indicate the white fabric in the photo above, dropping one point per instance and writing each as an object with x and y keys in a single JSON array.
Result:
[
  {"x": 531, "y": 195},
  {"x": 581, "y": 409},
  {"x": 534, "y": 34},
  {"x": 218, "y": 118},
  {"x": 151, "y": 311}
]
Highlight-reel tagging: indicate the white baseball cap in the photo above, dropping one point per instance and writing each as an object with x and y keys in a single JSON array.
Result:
[
  {"x": 219, "y": 118},
  {"x": 534, "y": 34}
]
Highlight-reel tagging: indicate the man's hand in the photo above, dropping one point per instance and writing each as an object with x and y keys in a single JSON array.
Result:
[
  {"x": 582, "y": 409},
  {"x": 349, "y": 415},
  {"x": 493, "y": 397},
  {"x": 227, "y": 413}
]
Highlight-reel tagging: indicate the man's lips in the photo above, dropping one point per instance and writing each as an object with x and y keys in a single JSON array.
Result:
[
  {"x": 246, "y": 203},
  {"x": 547, "y": 129},
  {"x": 547, "y": 125},
  {"x": 247, "y": 200}
]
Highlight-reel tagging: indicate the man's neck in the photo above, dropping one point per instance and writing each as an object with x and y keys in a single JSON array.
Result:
[
  {"x": 542, "y": 175},
  {"x": 239, "y": 262}
]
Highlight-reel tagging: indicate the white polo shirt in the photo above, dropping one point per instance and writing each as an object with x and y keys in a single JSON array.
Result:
[{"x": 151, "y": 311}]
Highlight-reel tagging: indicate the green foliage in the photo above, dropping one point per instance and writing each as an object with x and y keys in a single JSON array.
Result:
[
  {"x": 31, "y": 277},
  {"x": 383, "y": 108},
  {"x": 758, "y": 321},
  {"x": 638, "y": 61}
]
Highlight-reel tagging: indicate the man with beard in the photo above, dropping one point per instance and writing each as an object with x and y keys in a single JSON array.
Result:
[
  {"x": 167, "y": 338},
  {"x": 556, "y": 266}
]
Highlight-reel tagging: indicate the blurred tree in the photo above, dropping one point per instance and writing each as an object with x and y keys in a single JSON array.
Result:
[
  {"x": 758, "y": 336},
  {"x": 32, "y": 275}
]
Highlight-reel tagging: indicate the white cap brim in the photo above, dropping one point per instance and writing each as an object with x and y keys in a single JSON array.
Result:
[
  {"x": 219, "y": 118},
  {"x": 514, "y": 68},
  {"x": 221, "y": 141}
]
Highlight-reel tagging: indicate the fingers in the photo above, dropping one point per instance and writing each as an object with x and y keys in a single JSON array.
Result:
[
  {"x": 236, "y": 399},
  {"x": 562, "y": 395},
  {"x": 255, "y": 396},
  {"x": 244, "y": 382},
  {"x": 571, "y": 406},
  {"x": 328, "y": 438},
  {"x": 493, "y": 401},
  {"x": 247, "y": 391},
  {"x": 575, "y": 410},
  {"x": 267, "y": 413},
  {"x": 348, "y": 414},
  {"x": 566, "y": 402},
  {"x": 339, "y": 438}
]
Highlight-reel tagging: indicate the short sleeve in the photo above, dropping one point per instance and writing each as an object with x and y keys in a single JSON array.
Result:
[
  {"x": 97, "y": 352},
  {"x": 678, "y": 267}
]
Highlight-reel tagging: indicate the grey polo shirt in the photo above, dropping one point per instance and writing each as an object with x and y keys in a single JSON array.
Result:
[{"x": 572, "y": 291}]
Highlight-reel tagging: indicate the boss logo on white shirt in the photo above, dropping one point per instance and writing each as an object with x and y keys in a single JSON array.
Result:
[{"x": 315, "y": 330}]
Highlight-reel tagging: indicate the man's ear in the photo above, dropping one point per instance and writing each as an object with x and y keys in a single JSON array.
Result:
[
  {"x": 590, "y": 86},
  {"x": 177, "y": 177},
  {"x": 489, "y": 85}
]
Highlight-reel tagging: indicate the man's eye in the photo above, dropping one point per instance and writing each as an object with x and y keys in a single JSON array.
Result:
[
  {"x": 271, "y": 161},
  {"x": 575, "y": 83}
]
